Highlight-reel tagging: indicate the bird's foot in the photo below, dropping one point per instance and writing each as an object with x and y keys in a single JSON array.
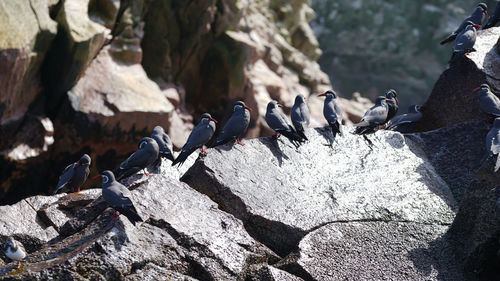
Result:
[
  {"x": 146, "y": 173},
  {"x": 204, "y": 151},
  {"x": 77, "y": 192},
  {"x": 239, "y": 142},
  {"x": 277, "y": 135},
  {"x": 19, "y": 264},
  {"x": 116, "y": 214}
]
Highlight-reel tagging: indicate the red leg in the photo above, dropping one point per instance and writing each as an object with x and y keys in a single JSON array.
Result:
[
  {"x": 115, "y": 214},
  {"x": 146, "y": 173},
  {"x": 239, "y": 142},
  {"x": 203, "y": 150},
  {"x": 277, "y": 135}
]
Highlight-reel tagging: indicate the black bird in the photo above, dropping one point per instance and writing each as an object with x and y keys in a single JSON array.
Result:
[
  {"x": 279, "y": 123},
  {"x": 374, "y": 117},
  {"x": 464, "y": 43},
  {"x": 488, "y": 102},
  {"x": 300, "y": 116},
  {"x": 392, "y": 103},
  {"x": 146, "y": 155},
  {"x": 493, "y": 142},
  {"x": 236, "y": 126},
  {"x": 118, "y": 197},
  {"x": 494, "y": 18},
  {"x": 200, "y": 135},
  {"x": 405, "y": 123},
  {"x": 476, "y": 18},
  {"x": 164, "y": 143},
  {"x": 332, "y": 112},
  {"x": 74, "y": 175}
]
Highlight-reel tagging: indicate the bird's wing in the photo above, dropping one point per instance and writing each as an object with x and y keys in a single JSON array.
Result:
[
  {"x": 375, "y": 115},
  {"x": 465, "y": 41},
  {"x": 134, "y": 160},
  {"x": 166, "y": 139},
  {"x": 276, "y": 121},
  {"x": 117, "y": 195},
  {"x": 234, "y": 127},
  {"x": 66, "y": 175},
  {"x": 405, "y": 118},
  {"x": 490, "y": 104},
  {"x": 200, "y": 135}
]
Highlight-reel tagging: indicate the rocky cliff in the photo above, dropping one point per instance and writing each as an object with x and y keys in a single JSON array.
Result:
[{"x": 96, "y": 76}]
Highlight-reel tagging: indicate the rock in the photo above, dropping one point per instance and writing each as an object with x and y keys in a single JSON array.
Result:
[
  {"x": 287, "y": 194},
  {"x": 25, "y": 37},
  {"x": 452, "y": 100},
  {"x": 267, "y": 272},
  {"x": 184, "y": 235}
]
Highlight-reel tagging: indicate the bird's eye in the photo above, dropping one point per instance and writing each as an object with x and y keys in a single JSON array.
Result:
[
  {"x": 142, "y": 144},
  {"x": 105, "y": 179}
]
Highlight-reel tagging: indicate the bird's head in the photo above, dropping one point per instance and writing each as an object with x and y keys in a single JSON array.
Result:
[
  {"x": 205, "y": 117},
  {"x": 328, "y": 94},
  {"x": 414, "y": 108},
  {"x": 240, "y": 105},
  {"x": 273, "y": 104},
  {"x": 10, "y": 243},
  {"x": 380, "y": 100},
  {"x": 84, "y": 161},
  {"x": 300, "y": 99},
  {"x": 158, "y": 130},
  {"x": 106, "y": 177},
  {"x": 484, "y": 8},
  {"x": 482, "y": 88},
  {"x": 470, "y": 23},
  {"x": 145, "y": 142},
  {"x": 392, "y": 94}
]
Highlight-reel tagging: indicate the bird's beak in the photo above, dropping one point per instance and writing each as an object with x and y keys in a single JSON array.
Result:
[
  {"x": 397, "y": 102},
  {"x": 249, "y": 109},
  {"x": 211, "y": 119},
  {"x": 322, "y": 95},
  {"x": 476, "y": 89},
  {"x": 279, "y": 105},
  {"x": 77, "y": 165},
  {"x": 477, "y": 26},
  {"x": 485, "y": 14},
  {"x": 98, "y": 176}
]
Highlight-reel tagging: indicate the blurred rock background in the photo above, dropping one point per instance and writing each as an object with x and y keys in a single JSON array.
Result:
[{"x": 371, "y": 46}]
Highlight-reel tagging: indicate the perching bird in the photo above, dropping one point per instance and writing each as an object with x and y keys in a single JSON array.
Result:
[
  {"x": 404, "y": 123},
  {"x": 146, "y": 155},
  {"x": 332, "y": 112},
  {"x": 277, "y": 121},
  {"x": 200, "y": 135},
  {"x": 493, "y": 142},
  {"x": 14, "y": 250},
  {"x": 392, "y": 103},
  {"x": 236, "y": 126},
  {"x": 374, "y": 117},
  {"x": 118, "y": 197},
  {"x": 74, "y": 175},
  {"x": 494, "y": 18},
  {"x": 488, "y": 102},
  {"x": 164, "y": 143},
  {"x": 465, "y": 41},
  {"x": 476, "y": 18},
  {"x": 300, "y": 116}
]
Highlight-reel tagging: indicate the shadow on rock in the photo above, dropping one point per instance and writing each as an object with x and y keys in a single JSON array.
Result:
[{"x": 272, "y": 144}]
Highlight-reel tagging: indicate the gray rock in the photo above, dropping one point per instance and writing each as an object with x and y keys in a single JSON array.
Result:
[{"x": 292, "y": 192}]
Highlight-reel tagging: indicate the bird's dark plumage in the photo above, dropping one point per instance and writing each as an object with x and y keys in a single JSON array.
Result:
[
  {"x": 464, "y": 43},
  {"x": 279, "y": 123},
  {"x": 392, "y": 103},
  {"x": 493, "y": 142},
  {"x": 488, "y": 102},
  {"x": 74, "y": 175},
  {"x": 332, "y": 112},
  {"x": 300, "y": 116},
  {"x": 480, "y": 12},
  {"x": 118, "y": 197},
  {"x": 200, "y": 135},
  {"x": 404, "y": 123},
  {"x": 164, "y": 143},
  {"x": 494, "y": 18},
  {"x": 146, "y": 155},
  {"x": 236, "y": 126},
  {"x": 374, "y": 117}
]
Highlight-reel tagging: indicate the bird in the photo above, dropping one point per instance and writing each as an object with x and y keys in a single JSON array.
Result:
[
  {"x": 74, "y": 175},
  {"x": 476, "y": 18},
  {"x": 300, "y": 116},
  {"x": 493, "y": 142},
  {"x": 494, "y": 18},
  {"x": 279, "y": 123},
  {"x": 14, "y": 250},
  {"x": 332, "y": 112},
  {"x": 236, "y": 126},
  {"x": 392, "y": 103},
  {"x": 374, "y": 117},
  {"x": 118, "y": 197},
  {"x": 465, "y": 41},
  {"x": 146, "y": 155},
  {"x": 488, "y": 102},
  {"x": 164, "y": 143},
  {"x": 200, "y": 135},
  {"x": 404, "y": 123}
]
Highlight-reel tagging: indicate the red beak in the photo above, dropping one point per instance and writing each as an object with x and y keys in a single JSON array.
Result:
[
  {"x": 249, "y": 109},
  {"x": 279, "y": 105},
  {"x": 486, "y": 14},
  {"x": 476, "y": 89},
  {"x": 96, "y": 177},
  {"x": 211, "y": 119},
  {"x": 322, "y": 95},
  {"x": 77, "y": 165},
  {"x": 477, "y": 26}
]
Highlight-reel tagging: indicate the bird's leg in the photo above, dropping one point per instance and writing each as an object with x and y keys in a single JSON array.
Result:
[
  {"x": 19, "y": 264},
  {"x": 115, "y": 214},
  {"x": 146, "y": 172},
  {"x": 239, "y": 142},
  {"x": 203, "y": 150}
]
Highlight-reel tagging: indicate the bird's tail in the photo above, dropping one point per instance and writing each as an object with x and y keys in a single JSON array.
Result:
[
  {"x": 448, "y": 39},
  {"x": 131, "y": 215},
  {"x": 302, "y": 134},
  {"x": 124, "y": 173},
  {"x": 59, "y": 188},
  {"x": 223, "y": 141},
  {"x": 183, "y": 156},
  {"x": 336, "y": 128},
  {"x": 364, "y": 130},
  {"x": 168, "y": 155},
  {"x": 293, "y": 137}
]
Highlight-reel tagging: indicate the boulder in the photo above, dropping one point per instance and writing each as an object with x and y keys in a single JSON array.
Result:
[
  {"x": 451, "y": 100},
  {"x": 282, "y": 193}
]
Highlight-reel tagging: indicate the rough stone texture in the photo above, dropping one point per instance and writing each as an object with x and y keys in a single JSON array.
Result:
[
  {"x": 287, "y": 194},
  {"x": 452, "y": 100}
]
